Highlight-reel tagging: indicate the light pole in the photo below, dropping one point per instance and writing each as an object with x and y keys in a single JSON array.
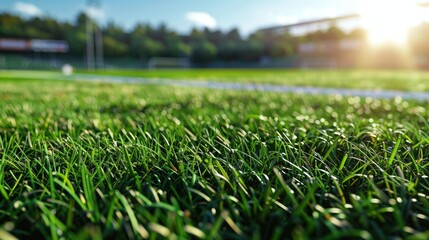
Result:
[
  {"x": 89, "y": 39},
  {"x": 94, "y": 36},
  {"x": 99, "y": 47}
]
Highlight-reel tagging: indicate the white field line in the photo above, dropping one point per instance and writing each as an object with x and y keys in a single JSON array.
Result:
[{"x": 380, "y": 94}]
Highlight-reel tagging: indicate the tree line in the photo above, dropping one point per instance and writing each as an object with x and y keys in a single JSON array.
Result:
[{"x": 144, "y": 41}]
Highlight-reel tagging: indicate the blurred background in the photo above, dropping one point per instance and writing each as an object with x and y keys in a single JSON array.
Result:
[{"x": 103, "y": 34}]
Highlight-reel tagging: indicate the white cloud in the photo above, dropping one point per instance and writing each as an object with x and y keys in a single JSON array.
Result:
[
  {"x": 28, "y": 9},
  {"x": 202, "y": 19},
  {"x": 95, "y": 13}
]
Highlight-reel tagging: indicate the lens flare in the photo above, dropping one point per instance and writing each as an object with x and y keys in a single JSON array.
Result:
[{"x": 388, "y": 21}]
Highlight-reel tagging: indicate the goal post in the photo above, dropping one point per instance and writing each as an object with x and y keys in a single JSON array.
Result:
[{"x": 168, "y": 62}]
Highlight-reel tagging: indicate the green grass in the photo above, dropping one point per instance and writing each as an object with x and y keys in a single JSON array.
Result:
[
  {"x": 94, "y": 160},
  {"x": 359, "y": 79}
]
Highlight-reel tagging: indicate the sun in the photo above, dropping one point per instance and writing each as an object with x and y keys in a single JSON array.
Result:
[{"x": 388, "y": 21}]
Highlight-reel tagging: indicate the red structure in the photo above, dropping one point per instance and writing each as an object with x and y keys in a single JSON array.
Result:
[{"x": 33, "y": 45}]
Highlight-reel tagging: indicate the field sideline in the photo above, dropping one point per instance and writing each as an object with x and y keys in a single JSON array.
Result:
[{"x": 90, "y": 160}]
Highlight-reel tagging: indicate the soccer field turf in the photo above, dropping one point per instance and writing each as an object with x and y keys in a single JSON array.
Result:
[
  {"x": 358, "y": 79},
  {"x": 90, "y": 160},
  {"x": 353, "y": 79}
]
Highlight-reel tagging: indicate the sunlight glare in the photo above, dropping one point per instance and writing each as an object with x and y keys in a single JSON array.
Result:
[{"x": 388, "y": 21}]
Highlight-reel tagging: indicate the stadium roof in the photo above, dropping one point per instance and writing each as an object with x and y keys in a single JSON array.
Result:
[{"x": 322, "y": 20}]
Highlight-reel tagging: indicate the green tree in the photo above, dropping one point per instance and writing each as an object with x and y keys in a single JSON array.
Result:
[
  {"x": 230, "y": 50},
  {"x": 216, "y": 37},
  {"x": 80, "y": 20},
  {"x": 114, "y": 31},
  {"x": 334, "y": 33},
  {"x": 77, "y": 42},
  {"x": 48, "y": 28},
  {"x": 146, "y": 48},
  {"x": 11, "y": 26},
  {"x": 196, "y": 36},
  {"x": 176, "y": 47},
  {"x": 281, "y": 49},
  {"x": 234, "y": 35},
  {"x": 114, "y": 48},
  {"x": 203, "y": 51},
  {"x": 252, "y": 50}
]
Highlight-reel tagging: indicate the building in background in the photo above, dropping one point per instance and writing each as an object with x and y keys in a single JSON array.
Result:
[
  {"x": 33, "y": 53},
  {"x": 321, "y": 42}
]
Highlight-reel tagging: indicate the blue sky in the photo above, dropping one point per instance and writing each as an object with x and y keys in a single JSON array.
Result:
[{"x": 182, "y": 15}]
